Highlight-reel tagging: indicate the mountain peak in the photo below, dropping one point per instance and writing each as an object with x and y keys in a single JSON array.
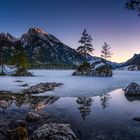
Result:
[
  {"x": 36, "y": 30},
  {"x": 8, "y": 37}
]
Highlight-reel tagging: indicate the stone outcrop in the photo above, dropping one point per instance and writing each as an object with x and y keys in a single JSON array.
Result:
[
  {"x": 54, "y": 131},
  {"x": 32, "y": 117},
  {"x": 94, "y": 69},
  {"x": 133, "y": 89},
  {"x": 41, "y": 87},
  {"x": 22, "y": 72}
]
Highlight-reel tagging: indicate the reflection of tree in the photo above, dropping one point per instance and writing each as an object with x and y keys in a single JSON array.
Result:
[
  {"x": 85, "y": 106},
  {"x": 105, "y": 100}
]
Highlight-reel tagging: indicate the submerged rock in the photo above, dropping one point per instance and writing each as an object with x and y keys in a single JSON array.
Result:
[
  {"x": 18, "y": 81},
  {"x": 54, "y": 131},
  {"x": 32, "y": 117},
  {"x": 41, "y": 87},
  {"x": 133, "y": 89},
  {"x": 94, "y": 69},
  {"x": 22, "y": 72},
  {"x": 24, "y": 85},
  {"x": 137, "y": 119},
  {"x": 19, "y": 133}
]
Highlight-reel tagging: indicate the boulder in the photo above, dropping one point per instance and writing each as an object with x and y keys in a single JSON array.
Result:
[
  {"x": 41, "y": 87},
  {"x": 133, "y": 89},
  {"x": 54, "y": 131},
  {"x": 94, "y": 69},
  {"x": 32, "y": 117},
  {"x": 4, "y": 104},
  {"x": 22, "y": 72}
]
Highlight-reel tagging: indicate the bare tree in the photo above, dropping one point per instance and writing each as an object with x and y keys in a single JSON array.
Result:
[{"x": 106, "y": 52}]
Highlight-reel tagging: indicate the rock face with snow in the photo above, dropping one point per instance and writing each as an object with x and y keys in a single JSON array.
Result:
[
  {"x": 40, "y": 47},
  {"x": 40, "y": 88},
  {"x": 130, "y": 68},
  {"x": 54, "y": 131},
  {"x": 133, "y": 89},
  {"x": 132, "y": 64},
  {"x": 94, "y": 68}
]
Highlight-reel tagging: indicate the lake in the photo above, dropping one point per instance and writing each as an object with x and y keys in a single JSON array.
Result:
[
  {"x": 96, "y": 107},
  {"x": 74, "y": 86}
]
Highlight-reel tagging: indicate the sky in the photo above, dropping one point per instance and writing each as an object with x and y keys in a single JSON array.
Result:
[{"x": 105, "y": 20}]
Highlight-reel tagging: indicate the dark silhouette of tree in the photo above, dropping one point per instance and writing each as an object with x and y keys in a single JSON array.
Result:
[
  {"x": 105, "y": 98},
  {"x": 86, "y": 44},
  {"x": 85, "y": 106},
  {"x": 19, "y": 58},
  {"x": 106, "y": 51},
  {"x": 2, "y": 52},
  {"x": 133, "y": 5}
]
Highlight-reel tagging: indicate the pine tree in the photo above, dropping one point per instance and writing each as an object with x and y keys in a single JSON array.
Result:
[
  {"x": 2, "y": 54},
  {"x": 86, "y": 44},
  {"x": 19, "y": 58},
  {"x": 133, "y": 5},
  {"x": 106, "y": 52}
]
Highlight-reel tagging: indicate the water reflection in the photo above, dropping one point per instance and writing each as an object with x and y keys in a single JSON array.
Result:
[
  {"x": 85, "y": 104},
  {"x": 105, "y": 98},
  {"x": 36, "y": 103}
]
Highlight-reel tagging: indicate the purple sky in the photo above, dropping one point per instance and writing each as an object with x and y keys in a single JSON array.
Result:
[{"x": 106, "y": 20}]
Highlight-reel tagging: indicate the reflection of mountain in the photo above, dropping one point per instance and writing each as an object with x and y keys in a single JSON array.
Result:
[
  {"x": 40, "y": 102},
  {"x": 85, "y": 106},
  {"x": 33, "y": 102},
  {"x": 105, "y": 100}
]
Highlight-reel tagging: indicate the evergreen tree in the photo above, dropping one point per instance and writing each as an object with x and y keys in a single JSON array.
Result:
[
  {"x": 106, "y": 52},
  {"x": 2, "y": 54},
  {"x": 86, "y": 44},
  {"x": 133, "y": 5},
  {"x": 19, "y": 58}
]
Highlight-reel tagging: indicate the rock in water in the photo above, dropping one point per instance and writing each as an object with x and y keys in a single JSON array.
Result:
[
  {"x": 133, "y": 89},
  {"x": 40, "y": 88},
  {"x": 22, "y": 72},
  {"x": 32, "y": 117},
  {"x": 54, "y": 131},
  {"x": 94, "y": 69}
]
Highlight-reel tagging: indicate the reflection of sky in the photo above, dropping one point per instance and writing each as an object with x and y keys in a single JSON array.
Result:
[{"x": 105, "y": 20}]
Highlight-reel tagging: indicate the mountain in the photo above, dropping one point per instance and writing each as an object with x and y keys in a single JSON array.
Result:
[
  {"x": 135, "y": 60},
  {"x": 131, "y": 64},
  {"x": 44, "y": 48},
  {"x": 41, "y": 47}
]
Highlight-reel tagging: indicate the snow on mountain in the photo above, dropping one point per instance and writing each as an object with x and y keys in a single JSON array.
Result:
[{"x": 43, "y": 47}]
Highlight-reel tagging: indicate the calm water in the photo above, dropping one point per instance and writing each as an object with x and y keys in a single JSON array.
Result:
[{"x": 106, "y": 116}]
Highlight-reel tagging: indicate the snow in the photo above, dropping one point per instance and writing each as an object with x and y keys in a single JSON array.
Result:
[
  {"x": 99, "y": 65},
  {"x": 7, "y": 69},
  {"x": 74, "y": 86}
]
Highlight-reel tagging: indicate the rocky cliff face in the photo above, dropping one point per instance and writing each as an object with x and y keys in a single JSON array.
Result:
[{"x": 41, "y": 47}]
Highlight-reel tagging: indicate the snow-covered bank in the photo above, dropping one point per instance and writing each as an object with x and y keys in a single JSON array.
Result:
[{"x": 7, "y": 69}]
